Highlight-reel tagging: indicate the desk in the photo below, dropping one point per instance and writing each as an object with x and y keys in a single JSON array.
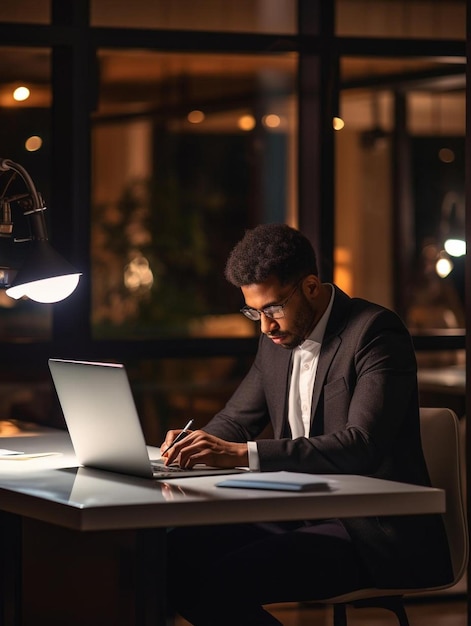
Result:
[{"x": 86, "y": 516}]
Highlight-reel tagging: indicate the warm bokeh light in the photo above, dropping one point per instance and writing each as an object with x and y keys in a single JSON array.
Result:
[
  {"x": 446, "y": 155},
  {"x": 195, "y": 117},
  {"x": 271, "y": 120},
  {"x": 33, "y": 143},
  {"x": 21, "y": 93},
  {"x": 138, "y": 274},
  {"x": 246, "y": 122},
  {"x": 343, "y": 269},
  {"x": 443, "y": 267},
  {"x": 338, "y": 123}
]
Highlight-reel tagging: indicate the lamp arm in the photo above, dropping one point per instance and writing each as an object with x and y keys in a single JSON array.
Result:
[{"x": 36, "y": 213}]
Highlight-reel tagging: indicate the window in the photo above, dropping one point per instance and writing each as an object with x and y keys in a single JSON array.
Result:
[
  {"x": 188, "y": 151},
  {"x": 166, "y": 131}
]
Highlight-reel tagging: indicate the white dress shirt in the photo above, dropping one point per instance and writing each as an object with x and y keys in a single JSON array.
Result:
[{"x": 303, "y": 375}]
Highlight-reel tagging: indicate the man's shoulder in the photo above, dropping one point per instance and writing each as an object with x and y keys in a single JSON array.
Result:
[
  {"x": 361, "y": 305},
  {"x": 349, "y": 312}
]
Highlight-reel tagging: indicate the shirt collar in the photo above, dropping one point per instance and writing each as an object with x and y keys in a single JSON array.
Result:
[{"x": 317, "y": 335}]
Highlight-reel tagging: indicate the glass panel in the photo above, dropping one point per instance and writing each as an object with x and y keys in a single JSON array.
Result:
[
  {"x": 170, "y": 391},
  {"x": 436, "y": 296},
  {"x": 363, "y": 252},
  {"x": 26, "y": 11},
  {"x": 188, "y": 151},
  {"x": 24, "y": 133},
  {"x": 255, "y": 16},
  {"x": 412, "y": 19},
  {"x": 432, "y": 193}
]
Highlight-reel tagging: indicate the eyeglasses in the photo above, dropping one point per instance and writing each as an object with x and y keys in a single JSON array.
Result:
[{"x": 274, "y": 312}]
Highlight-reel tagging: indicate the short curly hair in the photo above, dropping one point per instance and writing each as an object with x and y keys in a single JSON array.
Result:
[{"x": 271, "y": 250}]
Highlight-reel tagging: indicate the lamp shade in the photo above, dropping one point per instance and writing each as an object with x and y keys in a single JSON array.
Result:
[{"x": 45, "y": 276}]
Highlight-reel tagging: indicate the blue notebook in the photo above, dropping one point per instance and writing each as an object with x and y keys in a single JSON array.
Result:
[{"x": 282, "y": 481}]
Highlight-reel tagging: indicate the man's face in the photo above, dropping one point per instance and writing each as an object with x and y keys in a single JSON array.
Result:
[{"x": 299, "y": 310}]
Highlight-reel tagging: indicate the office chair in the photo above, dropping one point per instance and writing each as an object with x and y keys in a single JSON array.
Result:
[{"x": 443, "y": 454}]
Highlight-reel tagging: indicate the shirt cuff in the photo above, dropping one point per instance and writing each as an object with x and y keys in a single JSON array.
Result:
[{"x": 254, "y": 461}]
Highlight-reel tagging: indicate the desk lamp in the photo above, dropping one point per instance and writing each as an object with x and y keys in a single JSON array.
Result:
[{"x": 44, "y": 275}]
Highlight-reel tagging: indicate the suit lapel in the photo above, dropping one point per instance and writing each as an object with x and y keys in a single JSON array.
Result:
[
  {"x": 330, "y": 343},
  {"x": 282, "y": 365}
]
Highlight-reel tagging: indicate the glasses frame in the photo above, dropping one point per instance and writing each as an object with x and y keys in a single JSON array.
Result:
[{"x": 274, "y": 311}]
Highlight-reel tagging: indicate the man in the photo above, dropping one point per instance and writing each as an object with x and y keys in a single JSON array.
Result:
[{"x": 336, "y": 378}]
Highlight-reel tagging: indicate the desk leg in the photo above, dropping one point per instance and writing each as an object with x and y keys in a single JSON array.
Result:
[
  {"x": 150, "y": 577},
  {"x": 11, "y": 548}
]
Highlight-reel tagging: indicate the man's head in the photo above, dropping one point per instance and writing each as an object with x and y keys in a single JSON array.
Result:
[
  {"x": 271, "y": 250},
  {"x": 275, "y": 267}
]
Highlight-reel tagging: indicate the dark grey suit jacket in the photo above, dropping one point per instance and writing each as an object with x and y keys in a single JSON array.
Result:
[{"x": 365, "y": 420}]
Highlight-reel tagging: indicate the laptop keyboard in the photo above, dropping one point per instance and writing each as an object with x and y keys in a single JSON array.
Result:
[
  {"x": 160, "y": 470},
  {"x": 160, "y": 467}
]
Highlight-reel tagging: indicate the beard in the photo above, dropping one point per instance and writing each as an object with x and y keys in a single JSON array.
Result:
[{"x": 303, "y": 325}]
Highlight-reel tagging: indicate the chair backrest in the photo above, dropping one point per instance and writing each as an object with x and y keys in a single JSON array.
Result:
[
  {"x": 440, "y": 434},
  {"x": 443, "y": 455}
]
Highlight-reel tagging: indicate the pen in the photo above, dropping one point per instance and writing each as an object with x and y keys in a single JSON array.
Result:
[{"x": 181, "y": 434}]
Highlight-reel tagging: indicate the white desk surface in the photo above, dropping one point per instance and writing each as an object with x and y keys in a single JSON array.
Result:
[{"x": 54, "y": 490}]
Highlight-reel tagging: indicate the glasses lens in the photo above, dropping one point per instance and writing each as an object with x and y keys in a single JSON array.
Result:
[
  {"x": 252, "y": 314},
  {"x": 274, "y": 312}
]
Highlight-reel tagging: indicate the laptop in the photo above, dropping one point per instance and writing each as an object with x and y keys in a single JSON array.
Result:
[{"x": 103, "y": 423}]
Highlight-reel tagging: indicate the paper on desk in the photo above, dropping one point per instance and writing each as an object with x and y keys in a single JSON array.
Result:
[
  {"x": 283, "y": 481},
  {"x": 15, "y": 455}
]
